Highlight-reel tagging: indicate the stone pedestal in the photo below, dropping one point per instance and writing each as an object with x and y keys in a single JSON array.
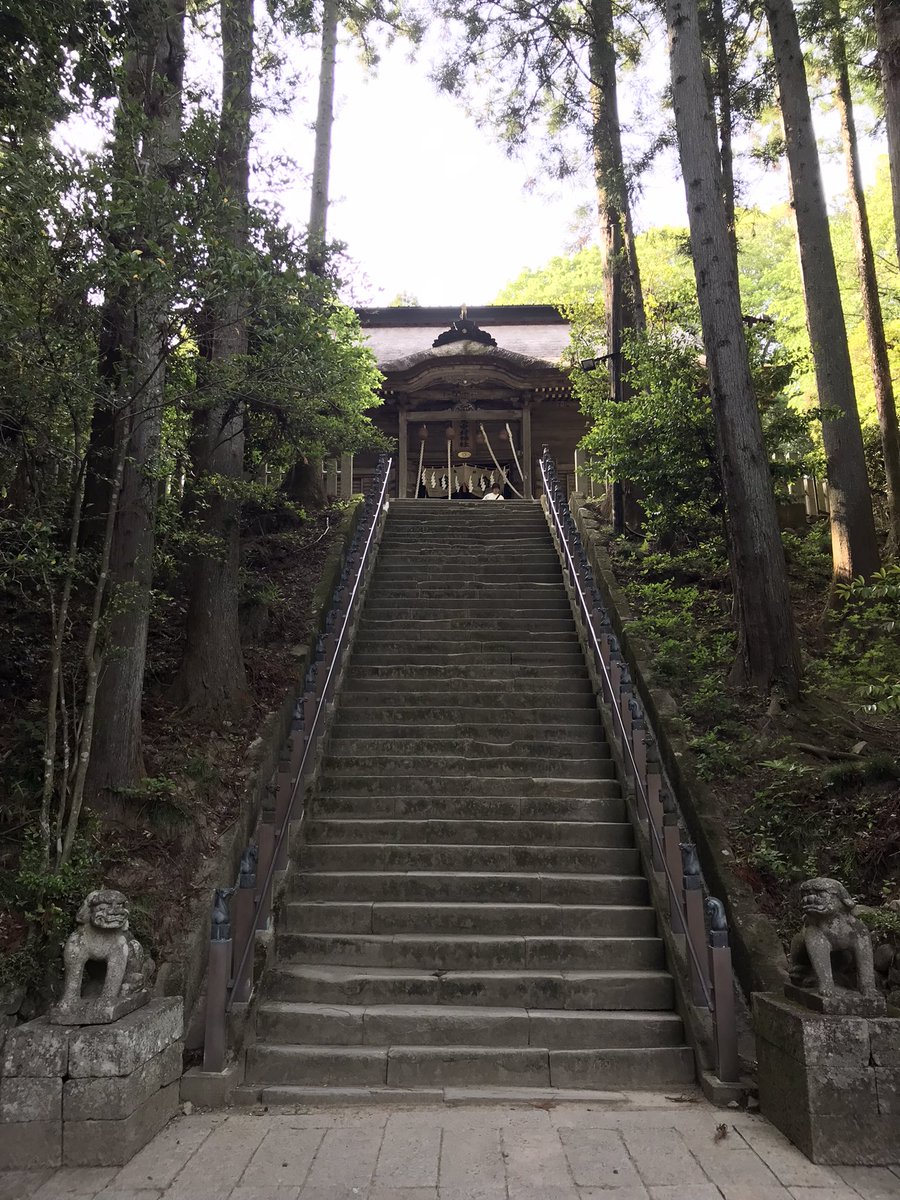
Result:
[
  {"x": 88, "y": 1095},
  {"x": 830, "y": 1083}
]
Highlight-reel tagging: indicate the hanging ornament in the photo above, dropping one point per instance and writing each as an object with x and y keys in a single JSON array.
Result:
[{"x": 423, "y": 432}]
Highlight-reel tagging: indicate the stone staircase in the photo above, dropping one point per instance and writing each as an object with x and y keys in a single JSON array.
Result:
[{"x": 469, "y": 909}]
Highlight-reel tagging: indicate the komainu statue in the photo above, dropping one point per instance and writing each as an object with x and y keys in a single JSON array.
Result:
[
  {"x": 102, "y": 937},
  {"x": 831, "y": 928}
]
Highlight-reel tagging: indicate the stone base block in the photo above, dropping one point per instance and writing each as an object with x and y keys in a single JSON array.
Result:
[
  {"x": 26, "y": 1098},
  {"x": 212, "y": 1089},
  {"x": 30, "y": 1145},
  {"x": 818, "y": 1083},
  {"x": 96, "y": 1012},
  {"x": 114, "y": 1143},
  {"x": 118, "y": 1049},
  {"x": 841, "y": 1003},
  {"x": 113, "y": 1098}
]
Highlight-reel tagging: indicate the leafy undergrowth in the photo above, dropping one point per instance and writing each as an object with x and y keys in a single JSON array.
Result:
[
  {"x": 809, "y": 788},
  {"x": 196, "y": 775}
]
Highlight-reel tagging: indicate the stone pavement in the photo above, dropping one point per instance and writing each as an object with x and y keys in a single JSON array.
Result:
[{"x": 629, "y": 1146}]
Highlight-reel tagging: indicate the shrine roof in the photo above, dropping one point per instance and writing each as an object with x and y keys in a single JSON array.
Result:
[{"x": 535, "y": 331}]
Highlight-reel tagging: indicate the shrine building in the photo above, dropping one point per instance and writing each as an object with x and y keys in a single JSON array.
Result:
[{"x": 470, "y": 397}]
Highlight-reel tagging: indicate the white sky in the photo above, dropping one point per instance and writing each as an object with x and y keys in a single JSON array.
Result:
[{"x": 430, "y": 205}]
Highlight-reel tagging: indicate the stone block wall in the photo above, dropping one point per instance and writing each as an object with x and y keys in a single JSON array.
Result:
[{"x": 88, "y": 1095}]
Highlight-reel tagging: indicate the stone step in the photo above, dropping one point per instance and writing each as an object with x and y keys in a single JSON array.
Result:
[
  {"x": 588, "y": 765},
  {"x": 631, "y": 990},
  {"x": 551, "y": 788},
  {"x": 570, "y": 928},
  {"x": 435, "y": 1025},
  {"x": 470, "y": 887},
  {"x": 538, "y": 807},
  {"x": 482, "y": 952},
  {"x": 465, "y": 610},
  {"x": 428, "y": 625},
  {"x": 574, "y": 731},
  {"x": 507, "y": 674},
  {"x": 464, "y": 654},
  {"x": 376, "y": 856},
  {"x": 339, "y": 830},
  {"x": 433, "y": 1066},
  {"x": 517, "y": 743},
  {"x": 581, "y": 709}
]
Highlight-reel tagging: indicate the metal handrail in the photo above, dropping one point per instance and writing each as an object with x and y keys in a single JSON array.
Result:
[
  {"x": 626, "y": 741},
  {"x": 263, "y": 892}
]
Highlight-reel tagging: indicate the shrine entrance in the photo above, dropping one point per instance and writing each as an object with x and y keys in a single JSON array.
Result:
[{"x": 472, "y": 406}]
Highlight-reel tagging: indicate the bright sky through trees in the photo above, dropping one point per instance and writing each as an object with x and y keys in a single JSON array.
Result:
[{"x": 429, "y": 205}]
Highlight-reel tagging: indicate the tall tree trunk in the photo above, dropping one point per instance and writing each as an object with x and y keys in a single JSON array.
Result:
[
  {"x": 116, "y": 760},
  {"x": 853, "y": 542},
  {"x": 722, "y": 89},
  {"x": 887, "y": 26},
  {"x": 318, "y": 210},
  {"x": 885, "y": 403},
  {"x": 212, "y": 680},
  {"x": 624, "y": 300},
  {"x": 767, "y": 646}
]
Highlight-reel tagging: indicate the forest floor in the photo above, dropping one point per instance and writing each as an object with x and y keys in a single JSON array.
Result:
[
  {"x": 808, "y": 788},
  {"x": 196, "y": 775}
]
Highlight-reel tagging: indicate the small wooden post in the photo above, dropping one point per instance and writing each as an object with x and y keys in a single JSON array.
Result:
[
  {"x": 346, "y": 476},
  {"x": 402, "y": 453}
]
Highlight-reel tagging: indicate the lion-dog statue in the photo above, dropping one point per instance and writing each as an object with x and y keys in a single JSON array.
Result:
[
  {"x": 830, "y": 927},
  {"x": 103, "y": 936}
]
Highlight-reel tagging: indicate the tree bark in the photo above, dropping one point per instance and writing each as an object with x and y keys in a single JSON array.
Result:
[
  {"x": 887, "y": 27},
  {"x": 212, "y": 680},
  {"x": 623, "y": 296},
  {"x": 853, "y": 541},
  {"x": 726, "y": 119},
  {"x": 767, "y": 646},
  {"x": 116, "y": 759},
  {"x": 885, "y": 403},
  {"x": 318, "y": 211}
]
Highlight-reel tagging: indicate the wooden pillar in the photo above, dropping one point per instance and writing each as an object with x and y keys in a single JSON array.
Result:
[
  {"x": 528, "y": 484},
  {"x": 402, "y": 454}
]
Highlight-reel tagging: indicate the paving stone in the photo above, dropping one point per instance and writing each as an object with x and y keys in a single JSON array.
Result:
[
  {"x": 265, "y": 1193},
  {"x": 535, "y": 1161},
  {"x": 598, "y": 1158},
  {"x": 345, "y": 1160},
  {"x": 679, "y": 1191},
  {"x": 629, "y": 1193},
  {"x": 472, "y": 1163},
  {"x": 115, "y": 1193},
  {"x": 662, "y": 1159},
  {"x": 408, "y": 1158},
  {"x": 755, "y": 1191},
  {"x": 826, "y": 1193},
  {"x": 729, "y": 1159},
  {"x": 790, "y": 1165},
  {"x": 158, "y": 1163},
  {"x": 872, "y": 1183},
  {"x": 74, "y": 1181},
  {"x": 403, "y": 1193},
  {"x": 283, "y": 1158},
  {"x": 221, "y": 1158}
]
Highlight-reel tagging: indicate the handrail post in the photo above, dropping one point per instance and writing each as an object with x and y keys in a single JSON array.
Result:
[
  {"x": 283, "y": 790},
  {"x": 266, "y": 852},
  {"x": 218, "y": 976},
  {"x": 655, "y": 807},
  {"x": 243, "y": 922},
  {"x": 672, "y": 852},
  {"x": 695, "y": 922},
  {"x": 724, "y": 1015}
]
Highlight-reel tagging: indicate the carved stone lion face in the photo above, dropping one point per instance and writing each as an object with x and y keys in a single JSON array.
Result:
[
  {"x": 824, "y": 898},
  {"x": 108, "y": 909}
]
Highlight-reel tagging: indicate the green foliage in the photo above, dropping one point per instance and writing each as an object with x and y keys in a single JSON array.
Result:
[
  {"x": 866, "y": 646},
  {"x": 47, "y": 898}
]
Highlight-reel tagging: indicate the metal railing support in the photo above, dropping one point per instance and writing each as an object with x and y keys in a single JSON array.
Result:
[
  {"x": 217, "y": 980},
  {"x": 709, "y": 961}
]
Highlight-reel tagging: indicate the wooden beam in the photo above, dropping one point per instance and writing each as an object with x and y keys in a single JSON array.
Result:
[
  {"x": 402, "y": 454},
  {"x": 477, "y": 414}
]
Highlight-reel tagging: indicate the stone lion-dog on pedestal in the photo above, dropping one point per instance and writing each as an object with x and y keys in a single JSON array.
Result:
[
  {"x": 830, "y": 927},
  {"x": 102, "y": 936}
]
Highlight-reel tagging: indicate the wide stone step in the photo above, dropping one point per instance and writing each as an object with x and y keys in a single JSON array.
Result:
[
  {"x": 629, "y": 990},
  {"x": 577, "y": 860},
  {"x": 510, "y": 590},
  {"x": 468, "y": 832},
  {"x": 542, "y": 677},
  {"x": 533, "y": 934},
  {"x": 433, "y": 1025},
  {"x": 588, "y": 765},
  {"x": 581, "y": 709},
  {"x": 344, "y": 747},
  {"x": 406, "y": 787},
  {"x": 485, "y": 628},
  {"x": 471, "y": 887},
  {"x": 467, "y": 1066},
  {"x": 610, "y": 808},
  {"x": 466, "y": 610},
  {"x": 465, "y": 655},
  {"x": 480, "y": 952},
  {"x": 577, "y": 731}
]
